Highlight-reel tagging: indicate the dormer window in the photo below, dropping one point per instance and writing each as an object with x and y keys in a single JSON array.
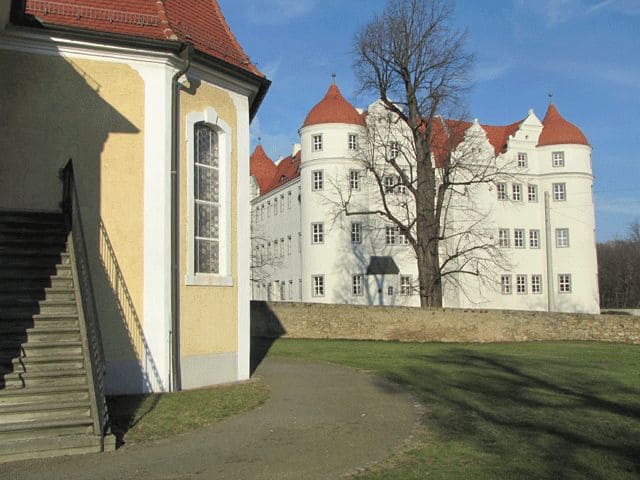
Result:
[
  {"x": 317, "y": 143},
  {"x": 558, "y": 159}
]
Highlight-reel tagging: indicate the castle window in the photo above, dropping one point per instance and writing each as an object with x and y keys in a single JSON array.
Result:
[
  {"x": 405, "y": 285},
  {"x": 534, "y": 238},
  {"x": 317, "y": 142},
  {"x": 562, "y": 237},
  {"x": 317, "y": 180},
  {"x": 558, "y": 159},
  {"x": 522, "y": 159},
  {"x": 317, "y": 285},
  {"x": 532, "y": 192},
  {"x": 516, "y": 190},
  {"x": 521, "y": 284},
  {"x": 501, "y": 190},
  {"x": 536, "y": 283},
  {"x": 394, "y": 150},
  {"x": 564, "y": 283},
  {"x": 317, "y": 233},
  {"x": 518, "y": 237},
  {"x": 354, "y": 179},
  {"x": 390, "y": 235},
  {"x": 356, "y": 232},
  {"x": 356, "y": 285},
  {"x": 503, "y": 237},
  {"x": 505, "y": 284},
  {"x": 389, "y": 183},
  {"x": 559, "y": 192},
  {"x": 353, "y": 141}
]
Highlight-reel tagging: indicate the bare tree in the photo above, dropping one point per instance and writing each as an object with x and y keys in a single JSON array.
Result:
[
  {"x": 415, "y": 61},
  {"x": 619, "y": 270}
]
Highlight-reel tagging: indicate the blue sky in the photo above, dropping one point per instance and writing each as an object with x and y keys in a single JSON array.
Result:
[{"x": 587, "y": 52}]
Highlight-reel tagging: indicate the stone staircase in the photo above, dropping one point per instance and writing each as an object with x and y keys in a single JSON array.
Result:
[{"x": 46, "y": 392}]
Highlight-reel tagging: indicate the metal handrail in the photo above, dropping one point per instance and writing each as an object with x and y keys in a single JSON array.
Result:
[{"x": 87, "y": 312}]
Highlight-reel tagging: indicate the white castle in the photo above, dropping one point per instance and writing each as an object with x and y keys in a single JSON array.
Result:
[{"x": 538, "y": 214}]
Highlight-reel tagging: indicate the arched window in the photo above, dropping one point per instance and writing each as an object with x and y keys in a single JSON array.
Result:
[{"x": 206, "y": 183}]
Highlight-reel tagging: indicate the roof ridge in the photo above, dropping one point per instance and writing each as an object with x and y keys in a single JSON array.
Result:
[{"x": 167, "y": 30}]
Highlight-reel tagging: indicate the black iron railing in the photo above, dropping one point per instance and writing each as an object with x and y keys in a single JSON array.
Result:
[{"x": 87, "y": 313}]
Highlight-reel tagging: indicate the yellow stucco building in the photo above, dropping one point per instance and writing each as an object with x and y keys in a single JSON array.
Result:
[{"x": 151, "y": 101}]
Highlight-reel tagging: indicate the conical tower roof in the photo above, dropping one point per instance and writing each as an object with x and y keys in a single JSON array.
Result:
[
  {"x": 261, "y": 167},
  {"x": 333, "y": 108},
  {"x": 558, "y": 131}
]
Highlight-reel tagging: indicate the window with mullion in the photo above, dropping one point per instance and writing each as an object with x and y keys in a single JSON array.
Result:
[{"x": 207, "y": 200}]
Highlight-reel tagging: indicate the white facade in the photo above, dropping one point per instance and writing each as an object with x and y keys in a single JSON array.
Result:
[{"x": 543, "y": 225}]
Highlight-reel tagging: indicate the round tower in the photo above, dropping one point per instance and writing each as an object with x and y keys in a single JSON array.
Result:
[{"x": 329, "y": 171}]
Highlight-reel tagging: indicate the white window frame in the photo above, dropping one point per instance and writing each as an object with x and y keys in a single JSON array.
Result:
[
  {"x": 518, "y": 238},
  {"x": 532, "y": 192},
  {"x": 354, "y": 180},
  {"x": 390, "y": 234},
  {"x": 394, "y": 150},
  {"x": 564, "y": 283},
  {"x": 406, "y": 287},
  {"x": 516, "y": 192},
  {"x": 521, "y": 284},
  {"x": 505, "y": 284},
  {"x": 534, "y": 238},
  {"x": 317, "y": 180},
  {"x": 389, "y": 182},
  {"x": 317, "y": 233},
  {"x": 316, "y": 142},
  {"x": 357, "y": 281},
  {"x": 559, "y": 192},
  {"x": 223, "y": 278},
  {"x": 356, "y": 232},
  {"x": 504, "y": 239},
  {"x": 352, "y": 141},
  {"x": 501, "y": 191},
  {"x": 557, "y": 159},
  {"x": 562, "y": 238},
  {"x": 317, "y": 285},
  {"x": 536, "y": 283},
  {"x": 522, "y": 159}
]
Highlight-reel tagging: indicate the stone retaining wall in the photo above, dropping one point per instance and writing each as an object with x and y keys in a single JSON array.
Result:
[{"x": 313, "y": 320}]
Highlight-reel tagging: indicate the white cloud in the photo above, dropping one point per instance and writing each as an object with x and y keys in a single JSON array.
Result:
[
  {"x": 626, "y": 206},
  {"x": 278, "y": 12},
  {"x": 558, "y": 12},
  {"x": 486, "y": 72}
]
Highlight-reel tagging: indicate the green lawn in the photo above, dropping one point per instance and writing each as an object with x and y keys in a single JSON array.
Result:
[
  {"x": 507, "y": 411},
  {"x": 142, "y": 418}
]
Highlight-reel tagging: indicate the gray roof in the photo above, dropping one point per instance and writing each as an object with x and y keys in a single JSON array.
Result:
[{"x": 382, "y": 266}]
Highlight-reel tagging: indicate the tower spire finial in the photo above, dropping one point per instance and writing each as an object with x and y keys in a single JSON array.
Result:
[
  {"x": 550, "y": 95},
  {"x": 333, "y": 77}
]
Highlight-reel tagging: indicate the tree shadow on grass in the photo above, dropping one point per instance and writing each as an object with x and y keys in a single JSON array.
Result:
[{"x": 535, "y": 417}]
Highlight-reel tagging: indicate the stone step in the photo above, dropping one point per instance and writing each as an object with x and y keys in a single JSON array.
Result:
[
  {"x": 16, "y": 309},
  {"x": 12, "y": 350},
  {"x": 29, "y": 260},
  {"x": 25, "y": 295},
  {"x": 42, "y": 364},
  {"x": 26, "y": 430},
  {"x": 52, "y": 445},
  {"x": 59, "y": 378},
  {"x": 39, "y": 335},
  {"x": 33, "y": 412},
  {"x": 44, "y": 395},
  {"x": 39, "y": 218},
  {"x": 29, "y": 326},
  {"x": 36, "y": 283},
  {"x": 39, "y": 320},
  {"x": 34, "y": 272}
]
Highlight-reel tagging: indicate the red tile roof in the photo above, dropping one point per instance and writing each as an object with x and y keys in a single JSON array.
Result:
[
  {"x": 261, "y": 167},
  {"x": 269, "y": 175},
  {"x": 333, "y": 108},
  {"x": 199, "y": 22},
  {"x": 557, "y": 131}
]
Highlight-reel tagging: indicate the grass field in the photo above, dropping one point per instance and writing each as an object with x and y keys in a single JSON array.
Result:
[
  {"x": 142, "y": 418},
  {"x": 507, "y": 411}
]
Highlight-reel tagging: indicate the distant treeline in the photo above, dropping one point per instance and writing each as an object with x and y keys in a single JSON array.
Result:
[{"x": 619, "y": 270}]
